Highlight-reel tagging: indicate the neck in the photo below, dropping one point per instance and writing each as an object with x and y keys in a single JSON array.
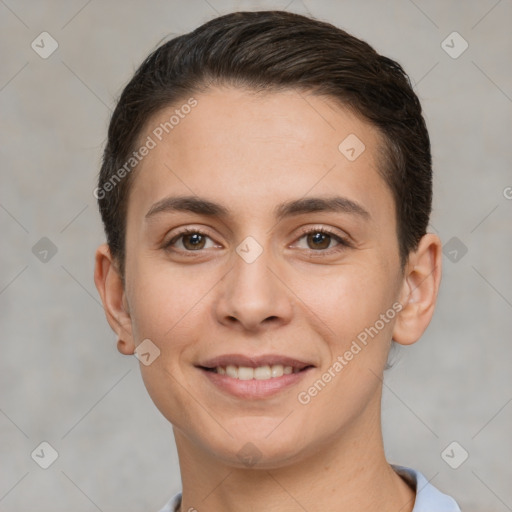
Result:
[{"x": 346, "y": 473}]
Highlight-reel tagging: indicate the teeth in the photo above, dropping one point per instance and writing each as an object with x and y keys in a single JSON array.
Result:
[
  {"x": 260, "y": 373},
  {"x": 277, "y": 370},
  {"x": 231, "y": 371},
  {"x": 245, "y": 373}
]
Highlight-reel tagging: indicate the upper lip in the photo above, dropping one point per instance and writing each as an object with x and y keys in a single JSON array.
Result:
[{"x": 254, "y": 361}]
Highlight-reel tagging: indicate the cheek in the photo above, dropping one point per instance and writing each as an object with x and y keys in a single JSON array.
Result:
[
  {"x": 168, "y": 309},
  {"x": 346, "y": 300},
  {"x": 349, "y": 305},
  {"x": 168, "y": 304}
]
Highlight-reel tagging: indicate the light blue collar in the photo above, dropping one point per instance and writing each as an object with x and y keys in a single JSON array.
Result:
[{"x": 428, "y": 498}]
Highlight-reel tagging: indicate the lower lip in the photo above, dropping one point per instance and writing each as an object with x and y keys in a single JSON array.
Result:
[{"x": 254, "y": 389}]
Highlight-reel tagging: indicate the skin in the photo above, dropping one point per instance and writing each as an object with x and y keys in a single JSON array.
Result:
[{"x": 250, "y": 153}]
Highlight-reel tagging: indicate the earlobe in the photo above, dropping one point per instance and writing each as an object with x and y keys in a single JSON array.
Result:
[
  {"x": 111, "y": 289},
  {"x": 419, "y": 291}
]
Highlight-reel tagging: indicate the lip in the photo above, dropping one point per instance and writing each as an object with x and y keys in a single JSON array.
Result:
[
  {"x": 254, "y": 361},
  {"x": 254, "y": 389}
]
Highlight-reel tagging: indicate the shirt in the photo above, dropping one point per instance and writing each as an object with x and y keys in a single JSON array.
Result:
[{"x": 428, "y": 498}]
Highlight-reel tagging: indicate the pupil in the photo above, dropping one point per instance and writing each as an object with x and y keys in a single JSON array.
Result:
[
  {"x": 318, "y": 238},
  {"x": 194, "y": 240}
]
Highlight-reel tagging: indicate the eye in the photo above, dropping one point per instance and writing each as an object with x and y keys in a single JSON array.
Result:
[
  {"x": 318, "y": 239},
  {"x": 189, "y": 240},
  {"x": 321, "y": 239}
]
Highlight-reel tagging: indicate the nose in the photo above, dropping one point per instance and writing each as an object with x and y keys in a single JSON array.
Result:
[{"x": 253, "y": 295}]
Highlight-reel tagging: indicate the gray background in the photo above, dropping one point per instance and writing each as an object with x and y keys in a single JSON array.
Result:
[{"x": 61, "y": 377}]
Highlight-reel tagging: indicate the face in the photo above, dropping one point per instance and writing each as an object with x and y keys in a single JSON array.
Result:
[{"x": 284, "y": 254}]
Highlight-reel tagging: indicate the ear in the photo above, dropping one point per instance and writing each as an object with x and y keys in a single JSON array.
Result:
[
  {"x": 419, "y": 291},
  {"x": 111, "y": 289}
]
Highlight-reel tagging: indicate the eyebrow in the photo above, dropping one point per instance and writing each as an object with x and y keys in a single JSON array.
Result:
[{"x": 203, "y": 206}]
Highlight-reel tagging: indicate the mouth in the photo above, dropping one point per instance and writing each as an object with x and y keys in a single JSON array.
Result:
[
  {"x": 265, "y": 367},
  {"x": 264, "y": 372}
]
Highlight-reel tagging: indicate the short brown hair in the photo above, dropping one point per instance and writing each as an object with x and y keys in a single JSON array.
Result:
[{"x": 271, "y": 51}]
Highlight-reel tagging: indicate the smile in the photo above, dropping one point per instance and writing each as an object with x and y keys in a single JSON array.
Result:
[
  {"x": 259, "y": 373},
  {"x": 254, "y": 383}
]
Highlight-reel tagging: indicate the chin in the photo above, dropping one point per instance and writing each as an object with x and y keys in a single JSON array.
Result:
[{"x": 264, "y": 456}]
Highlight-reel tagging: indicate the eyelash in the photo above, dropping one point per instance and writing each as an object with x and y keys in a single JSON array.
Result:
[{"x": 343, "y": 243}]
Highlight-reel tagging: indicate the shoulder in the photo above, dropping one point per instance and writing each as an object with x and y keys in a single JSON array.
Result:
[{"x": 427, "y": 496}]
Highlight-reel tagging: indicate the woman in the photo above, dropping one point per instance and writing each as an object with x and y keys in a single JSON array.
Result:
[{"x": 265, "y": 190}]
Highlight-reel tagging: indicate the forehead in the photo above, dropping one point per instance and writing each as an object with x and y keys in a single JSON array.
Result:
[{"x": 248, "y": 149}]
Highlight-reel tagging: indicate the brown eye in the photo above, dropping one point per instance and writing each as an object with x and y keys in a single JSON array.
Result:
[
  {"x": 189, "y": 240},
  {"x": 318, "y": 240},
  {"x": 193, "y": 241}
]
